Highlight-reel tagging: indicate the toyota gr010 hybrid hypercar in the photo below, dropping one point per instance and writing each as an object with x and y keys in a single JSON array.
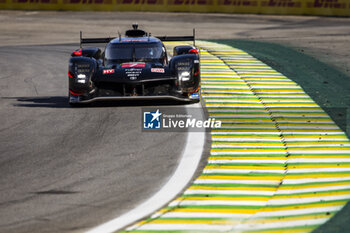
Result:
[{"x": 135, "y": 66}]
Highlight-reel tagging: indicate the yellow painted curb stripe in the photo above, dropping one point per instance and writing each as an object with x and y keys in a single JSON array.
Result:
[{"x": 274, "y": 141}]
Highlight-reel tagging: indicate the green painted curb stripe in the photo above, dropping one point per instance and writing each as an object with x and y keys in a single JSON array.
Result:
[{"x": 253, "y": 100}]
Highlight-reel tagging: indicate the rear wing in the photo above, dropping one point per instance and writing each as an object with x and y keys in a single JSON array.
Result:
[{"x": 162, "y": 38}]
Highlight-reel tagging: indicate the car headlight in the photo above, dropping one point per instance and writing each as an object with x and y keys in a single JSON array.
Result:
[
  {"x": 185, "y": 76},
  {"x": 81, "y": 78}
]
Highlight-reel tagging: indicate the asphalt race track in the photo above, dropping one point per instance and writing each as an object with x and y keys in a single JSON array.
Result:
[
  {"x": 66, "y": 169},
  {"x": 60, "y": 163}
]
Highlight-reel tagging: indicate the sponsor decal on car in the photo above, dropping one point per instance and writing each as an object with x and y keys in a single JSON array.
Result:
[
  {"x": 133, "y": 73},
  {"x": 128, "y": 65},
  {"x": 157, "y": 70},
  {"x": 108, "y": 71},
  {"x": 134, "y": 40}
]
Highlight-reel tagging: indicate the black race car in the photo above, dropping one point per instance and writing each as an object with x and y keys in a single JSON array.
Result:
[{"x": 135, "y": 66}]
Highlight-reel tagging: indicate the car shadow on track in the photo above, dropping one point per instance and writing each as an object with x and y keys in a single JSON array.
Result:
[
  {"x": 61, "y": 102},
  {"x": 40, "y": 102}
]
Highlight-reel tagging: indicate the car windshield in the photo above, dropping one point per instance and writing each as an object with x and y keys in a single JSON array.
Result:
[{"x": 133, "y": 52}]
